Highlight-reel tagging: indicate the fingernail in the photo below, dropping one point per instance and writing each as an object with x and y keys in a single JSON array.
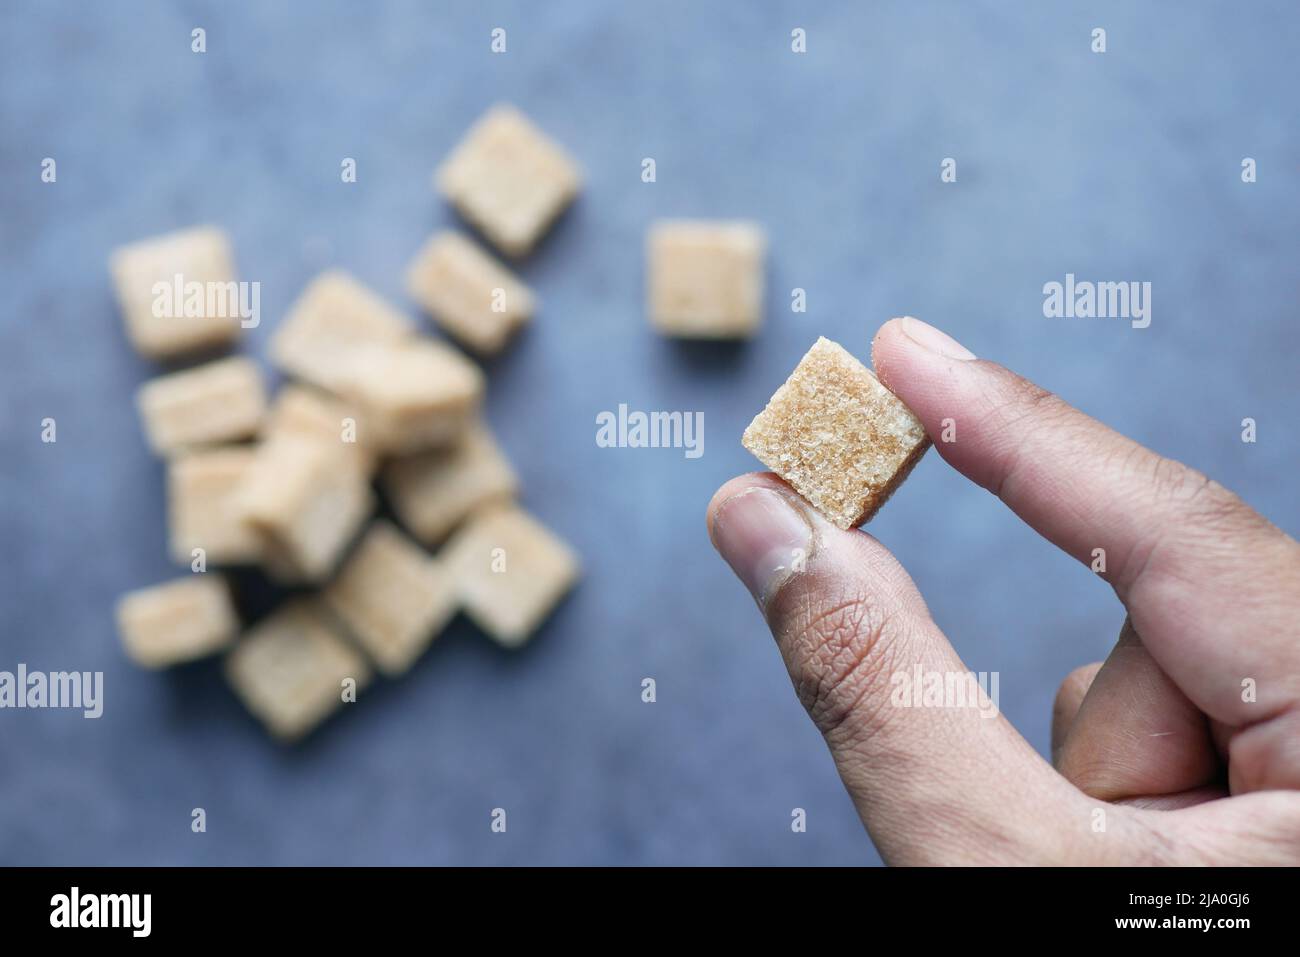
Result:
[
  {"x": 928, "y": 337},
  {"x": 764, "y": 537}
]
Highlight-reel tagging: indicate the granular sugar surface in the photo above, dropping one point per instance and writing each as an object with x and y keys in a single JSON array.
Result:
[{"x": 838, "y": 436}]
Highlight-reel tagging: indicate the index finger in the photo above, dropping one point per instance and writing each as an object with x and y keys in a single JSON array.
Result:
[{"x": 1200, "y": 572}]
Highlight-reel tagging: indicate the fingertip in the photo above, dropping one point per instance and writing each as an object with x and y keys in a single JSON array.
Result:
[
  {"x": 737, "y": 486},
  {"x": 906, "y": 350},
  {"x": 1069, "y": 696},
  {"x": 884, "y": 340},
  {"x": 890, "y": 353}
]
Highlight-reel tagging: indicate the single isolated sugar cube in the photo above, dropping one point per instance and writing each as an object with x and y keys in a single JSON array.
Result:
[
  {"x": 203, "y": 507},
  {"x": 839, "y": 437},
  {"x": 293, "y": 670},
  {"x": 510, "y": 572},
  {"x": 393, "y": 596},
  {"x": 306, "y": 500},
  {"x": 705, "y": 279},
  {"x": 467, "y": 292},
  {"x": 177, "y": 621},
  {"x": 412, "y": 395},
  {"x": 308, "y": 412},
  {"x": 157, "y": 280},
  {"x": 332, "y": 317},
  {"x": 432, "y": 492},
  {"x": 509, "y": 179},
  {"x": 215, "y": 402}
]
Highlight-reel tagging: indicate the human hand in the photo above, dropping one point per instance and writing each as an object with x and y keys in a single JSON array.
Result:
[{"x": 1184, "y": 744}]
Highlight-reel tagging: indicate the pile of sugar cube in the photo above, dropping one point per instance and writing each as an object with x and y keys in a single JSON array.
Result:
[{"x": 285, "y": 482}]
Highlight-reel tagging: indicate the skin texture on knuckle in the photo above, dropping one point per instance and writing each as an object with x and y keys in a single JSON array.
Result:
[
  {"x": 836, "y": 641},
  {"x": 1215, "y": 569},
  {"x": 1193, "y": 514}
]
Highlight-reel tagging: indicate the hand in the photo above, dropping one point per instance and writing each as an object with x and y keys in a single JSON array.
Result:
[{"x": 1182, "y": 748}]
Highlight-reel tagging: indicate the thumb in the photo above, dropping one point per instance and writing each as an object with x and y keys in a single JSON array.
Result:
[{"x": 938, "y": 775}]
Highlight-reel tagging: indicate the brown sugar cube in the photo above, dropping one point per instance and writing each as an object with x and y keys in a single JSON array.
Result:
[
  {"x": 145, "y": 276},
  {"x": 292, "y": 670},
  {"x": 310, "y": 413},
  {"x": 215, "y": 402},
  {"x": 306, "y": 500},
  {"x": 839, "y": 437},
  {"x": 412, "y": 395},
  {"x": 510, "y": 572},
  {"x": 204, "y": 510},
  {"x": 393, "y": 596},
  {"x": 468, "y": 293},
  {"x": 705, "y": 279},
  {"x": 177, "y": 621},
  {"x": 332, "y": 317},
  {"x": 509, "y": 179},
  {"x": 431, "y": 492}
]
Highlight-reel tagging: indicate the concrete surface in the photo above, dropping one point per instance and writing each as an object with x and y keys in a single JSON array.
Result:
[{"x": 1114, "y": 167}]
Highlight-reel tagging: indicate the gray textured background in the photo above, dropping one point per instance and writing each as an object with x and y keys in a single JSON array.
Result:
[{"x": 1119, "y": 166}]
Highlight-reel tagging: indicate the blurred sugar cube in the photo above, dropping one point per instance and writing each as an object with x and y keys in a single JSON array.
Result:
[{"x": 509, "y": 179}]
